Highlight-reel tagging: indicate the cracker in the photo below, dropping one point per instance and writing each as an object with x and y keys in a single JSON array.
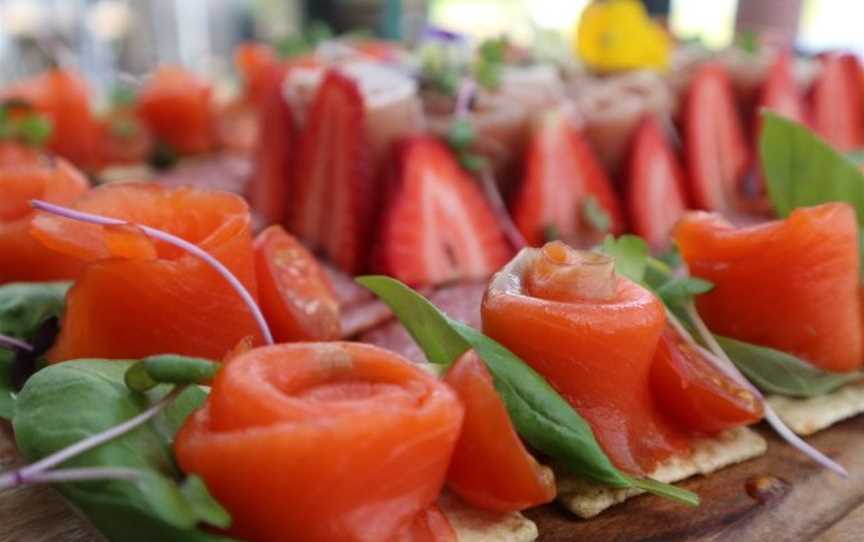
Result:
[
  {"x": 475, "y": 525},
  {"x": 587, "y": 499},
  {"x": 808, "y": 415}
]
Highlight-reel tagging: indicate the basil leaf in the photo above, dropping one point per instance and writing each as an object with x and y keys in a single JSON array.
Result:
[
  {"x": 424, "y": 322},
  {"x": 169, "y": 369},
  {"x": 778, "y": 372},
  {"x": 55, "y": 410},
  {"x": 24, "y": 306},
  {"x": 542, "y": 417},
  {"x": 680, "y": 289},
  {"x": 801, "y": 169},
  {"x": 630, "y": 253},
  {"x": 594, "y": 215}
]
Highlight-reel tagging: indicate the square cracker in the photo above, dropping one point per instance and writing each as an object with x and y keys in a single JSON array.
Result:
[
  {"x": 808, "y": 415},
  {"x": 587, "y": 499},
  {"x": 475, "y": 525}
]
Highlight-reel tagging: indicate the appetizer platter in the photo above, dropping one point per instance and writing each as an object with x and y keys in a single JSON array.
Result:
[{"x": 459, "y": 293}]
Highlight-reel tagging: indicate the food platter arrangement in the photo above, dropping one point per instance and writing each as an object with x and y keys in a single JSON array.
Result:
[{"x": 454, "y": 292}]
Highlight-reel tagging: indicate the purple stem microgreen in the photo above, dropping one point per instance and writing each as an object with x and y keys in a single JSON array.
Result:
[
  {"x": 26, "y": 474},
  {"x": 721, "y": 360},
  {"x": 13, "y": 343},
  {"x": 174, "y": 240}
]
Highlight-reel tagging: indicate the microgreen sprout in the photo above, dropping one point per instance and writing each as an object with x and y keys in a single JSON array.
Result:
[
  {"x": 38, "y": 472},
  {"x": 13, "y": 343}
]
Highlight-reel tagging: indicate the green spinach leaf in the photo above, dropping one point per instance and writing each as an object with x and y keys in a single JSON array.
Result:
[
  {"x": 778, "y": 372},
  {"x": 25, "y": 305},
  {"x": 56, "y": 409},
  {"x": 541, "y": 416}
]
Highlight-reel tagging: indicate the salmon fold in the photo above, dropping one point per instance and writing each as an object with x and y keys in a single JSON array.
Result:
[
  {"x": 22, "y": 258},
  {"x": 317, "y": 442},
  {"x": 138, "y": 296},
  {"x": 791, "y": 284},
  {"x": 592, "y": 335}
]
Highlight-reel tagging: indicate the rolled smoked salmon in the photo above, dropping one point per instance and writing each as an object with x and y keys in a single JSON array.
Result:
[
  {"x": 788, "y": 284},
  {"x": 137, "y": 296},
  {"x": 491, "y": 468},
  {"x": 22, "y": 258},
  {"x": 593, "y": 335},
  {"x": 324, "y": 442}
]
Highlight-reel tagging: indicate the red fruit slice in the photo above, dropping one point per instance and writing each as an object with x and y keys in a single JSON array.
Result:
[
  {"x": 561, "y": 175},
  {"x": 780, "y": 94},
  {"x": 491, "y": 468},
  {"x": 691, "y": 391},
  {"x": 430, "y": 525},
  {"x": 713, "y": 140},
  {"x": 655, "y": 195},
  {"x": 437, "y": 226},
  {"x": 295, "y": 294},
  {"x": 836, "y": 101},
  {"x": 269, "y": 190},
  {"x": 334, "y": 202}
]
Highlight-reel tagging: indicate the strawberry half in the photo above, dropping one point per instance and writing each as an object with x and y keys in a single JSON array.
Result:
[
  {"x": 779, "y": 93},
  {"x": 565, "y": 189},
  {"x": 333, "y": 202},
  {"x": 714, "y": 146},
  {"x": 655, "y": 185},
  {"x": 269, "y": 190},
  {"x": 836, "y": 102},
  {"x": 437, "y": 226}
]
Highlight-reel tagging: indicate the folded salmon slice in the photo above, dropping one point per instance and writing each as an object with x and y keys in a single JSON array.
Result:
[
  {"x": 592, "y": 335},
  {"x": 22, "y": 258},
  {"x": 788, "y": 284},
  {"x": 137, "y": 296},
  {"x": 325, "y": 441}
]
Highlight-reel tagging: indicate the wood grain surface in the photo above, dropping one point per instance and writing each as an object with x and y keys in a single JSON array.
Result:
[{"x": 792, "y": 501}]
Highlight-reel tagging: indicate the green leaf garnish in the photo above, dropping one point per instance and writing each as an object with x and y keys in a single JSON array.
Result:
[
  {"x": 541, "y": 416},
  {"x": 748, "y": 41},
  {"x": 594, "y": 215},
  {"x": 678, "y": 290},
  {"x": 460, "y": 134},
  {"x": 169, "y": 369},
  {"x": 490, "y": 62},
  {"x": 778, "y": 372},
  {"x": 122, "y": 96},
  {"x": 55, "y": 410},
  {"x": 802, "y": 170},
  {"x": 24, "y": 306},
  {"x": 630, "y": 253},
  {"x": 20, "y": 122}
]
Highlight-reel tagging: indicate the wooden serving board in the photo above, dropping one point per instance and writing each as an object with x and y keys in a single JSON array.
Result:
[{"x": 797, "y": 502}]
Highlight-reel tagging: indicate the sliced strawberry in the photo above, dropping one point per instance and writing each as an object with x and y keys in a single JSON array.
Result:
[
  {"x": 655, "y": 185},
  {"x": 836, "y": 102},
  {"x": 334, "y": 199},
  {"x": 779, "y": 93},
  {"x": 437, "y": 226},
  {"x": 269, "y": 190},
  {"x": 714, "y": 144},
  {"x": 563, "y": 179}
]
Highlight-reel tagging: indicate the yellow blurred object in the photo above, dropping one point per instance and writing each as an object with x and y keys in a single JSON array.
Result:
[{"x": 616, "y": 35}]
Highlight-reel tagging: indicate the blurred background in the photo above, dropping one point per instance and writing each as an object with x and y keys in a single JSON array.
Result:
[{"x": 107, "y": 38}]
